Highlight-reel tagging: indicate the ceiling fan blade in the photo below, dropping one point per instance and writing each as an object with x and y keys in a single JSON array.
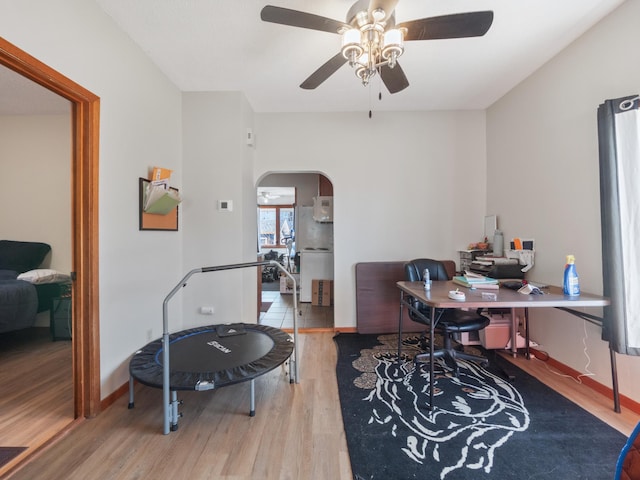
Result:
[
  {"x": 388, "y": 6},
  {"x": 295, "y": 18},
  {"x": 393, "y": 78},
  {"x": 458, "y": 25},
  {"x": 324, "y": 72}
]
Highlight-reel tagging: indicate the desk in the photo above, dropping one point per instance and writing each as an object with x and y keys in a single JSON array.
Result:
[{"x": 438, "y": 297}]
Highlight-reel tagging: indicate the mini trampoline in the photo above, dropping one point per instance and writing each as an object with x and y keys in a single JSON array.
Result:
[{"x": 210, "y": 357}]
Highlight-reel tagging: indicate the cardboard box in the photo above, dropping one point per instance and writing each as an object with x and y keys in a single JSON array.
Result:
[
  {"x": 321, "y": 292},
  {"x": 467, "y": 338},
  {"x": 497, "y": 334},
  {"x": 495, "y": 337}
]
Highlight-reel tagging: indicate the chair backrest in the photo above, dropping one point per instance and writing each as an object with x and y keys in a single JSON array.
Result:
[{"x": 413, "y": 270}]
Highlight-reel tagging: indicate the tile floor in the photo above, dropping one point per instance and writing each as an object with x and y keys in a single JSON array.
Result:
[{"x": 280, "y": 313}]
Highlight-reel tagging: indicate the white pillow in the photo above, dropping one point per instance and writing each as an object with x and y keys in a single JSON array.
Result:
[{"x": 44, "y": 275}]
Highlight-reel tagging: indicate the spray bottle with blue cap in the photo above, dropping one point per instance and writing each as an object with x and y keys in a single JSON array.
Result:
[{"x": 571, "y": 284}]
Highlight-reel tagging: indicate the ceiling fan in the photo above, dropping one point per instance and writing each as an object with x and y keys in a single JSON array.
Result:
[
  {"x": 371, "y": 40},
  {"x": 266, "y": 196}
]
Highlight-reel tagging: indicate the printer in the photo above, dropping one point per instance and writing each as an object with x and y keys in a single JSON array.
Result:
[{"x": 497, "y": 267}]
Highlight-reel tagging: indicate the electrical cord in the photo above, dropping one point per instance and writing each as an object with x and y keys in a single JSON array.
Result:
[{"x": 544, "y": 357}]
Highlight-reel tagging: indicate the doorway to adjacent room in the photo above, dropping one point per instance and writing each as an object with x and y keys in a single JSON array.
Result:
[
  {"x": 84, "y": 207},
  {"x": 297, "y": 241}
]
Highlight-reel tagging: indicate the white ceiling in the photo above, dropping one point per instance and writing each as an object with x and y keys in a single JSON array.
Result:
[{"x": 222, "y": 45}]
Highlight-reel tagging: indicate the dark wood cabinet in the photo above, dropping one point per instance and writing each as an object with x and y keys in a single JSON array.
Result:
[
  {"x": 378, "y": 297},
  {"x": 325, "y": 187}
]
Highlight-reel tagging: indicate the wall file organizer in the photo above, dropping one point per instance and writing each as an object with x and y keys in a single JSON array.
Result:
[{"x": 158, "y": 206}]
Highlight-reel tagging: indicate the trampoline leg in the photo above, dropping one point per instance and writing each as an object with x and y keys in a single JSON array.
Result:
[
  {"x": 292, "y": 370},
  {"x": 174, "y": 411},
  {"x": 252, "y": 410},
  {"x": 131, "y": 403}
]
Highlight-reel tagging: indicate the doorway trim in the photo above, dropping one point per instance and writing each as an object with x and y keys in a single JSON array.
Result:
[{"x": 85, "y": 118}]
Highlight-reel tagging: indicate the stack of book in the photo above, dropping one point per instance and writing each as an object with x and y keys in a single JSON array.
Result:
[{"x": 473, "y": 280}]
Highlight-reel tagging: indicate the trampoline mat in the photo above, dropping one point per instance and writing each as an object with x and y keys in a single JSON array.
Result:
[{"x": 218, "y": 354}]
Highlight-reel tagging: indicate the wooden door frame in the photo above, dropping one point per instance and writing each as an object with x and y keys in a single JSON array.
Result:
[{"x": 85, "y": 119}]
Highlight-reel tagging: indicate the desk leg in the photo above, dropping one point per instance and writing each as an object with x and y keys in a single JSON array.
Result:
[
  {"x": 400, "y": 326},
  {"x": 614, "y": 381},
  {"x": 514, "y": 333},
  {"x": 431, "y": 352},
  {"x": 526, "y": 334}
]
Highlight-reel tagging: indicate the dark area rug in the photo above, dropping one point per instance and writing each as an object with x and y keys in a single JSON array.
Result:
[
  {"x": 482, "y": 427},
  {"x": 9, "y": 453}
]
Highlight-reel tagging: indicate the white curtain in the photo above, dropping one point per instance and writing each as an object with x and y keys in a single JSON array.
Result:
[{"x": 619, "y": 148}]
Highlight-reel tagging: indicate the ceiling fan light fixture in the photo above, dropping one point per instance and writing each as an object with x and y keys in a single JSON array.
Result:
[
  {"x": 392, "y": 46},
  {"x": 371, "y": 45},
  {"x": 363, "y": 70},
  {"x": 378, "y": 15},
  {"x": 364, "y": 60},
  {"x": 352, "y": 45},
  {"x": 363, "y": 74}
]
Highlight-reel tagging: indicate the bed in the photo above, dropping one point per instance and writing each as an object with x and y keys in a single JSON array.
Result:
[{"x": 26, "y": 289}]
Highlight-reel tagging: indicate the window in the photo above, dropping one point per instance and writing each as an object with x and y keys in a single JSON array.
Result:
[{"x": 276, "y": 225}]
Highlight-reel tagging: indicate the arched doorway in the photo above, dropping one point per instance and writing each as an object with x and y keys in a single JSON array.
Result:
[{"x": 311, "y": 256}]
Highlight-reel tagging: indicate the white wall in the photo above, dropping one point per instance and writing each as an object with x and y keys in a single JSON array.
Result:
[
  {"x": 35, "y": 184},
  {"x": 405, "y": 185},
  {"x": 543, "y": 178},
  {"x": 140, "y": 120},
  {"x": 220, "y": 168}
]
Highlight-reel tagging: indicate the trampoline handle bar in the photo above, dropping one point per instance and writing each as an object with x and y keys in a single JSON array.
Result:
[
  {"x": 183, "y": 283},
  {"x": 236, "y": 265},
  {"x": 293, "y": 372},
  {"x": 165, "y": 328}
]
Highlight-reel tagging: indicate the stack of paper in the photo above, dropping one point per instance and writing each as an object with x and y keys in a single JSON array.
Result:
[
  {"x": 473, "y": 280},
  {"x": 160, "y": 199}
]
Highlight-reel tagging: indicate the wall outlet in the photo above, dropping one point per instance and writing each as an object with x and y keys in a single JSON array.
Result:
[
  {"x": 207, "y": 310},
  {"x": 149, "y": 334}
]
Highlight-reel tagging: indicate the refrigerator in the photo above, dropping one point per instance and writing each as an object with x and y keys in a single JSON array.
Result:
[{"x": 314, "y": 241}]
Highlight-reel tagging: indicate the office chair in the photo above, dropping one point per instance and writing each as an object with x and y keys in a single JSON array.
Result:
[
  {"x": 451, "y": 320},
  {"x": 628, "y": 464}
]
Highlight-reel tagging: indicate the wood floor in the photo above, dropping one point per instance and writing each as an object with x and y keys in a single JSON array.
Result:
[
  {"x": 37, "y": 389},
  {"x": 297, "y": 432}
]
